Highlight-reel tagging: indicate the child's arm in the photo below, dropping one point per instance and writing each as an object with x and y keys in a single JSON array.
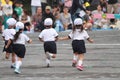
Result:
[
  {"x": 30, "y": 41},
  {"x": 90, "y": 40},
  {"x": 3, "y": 38},
  {"x": 56, "y": 38},
  {"x": 41, "y": 39},
  {"x": 64, "y": 38},
  {"x": 8, "y": 44}
]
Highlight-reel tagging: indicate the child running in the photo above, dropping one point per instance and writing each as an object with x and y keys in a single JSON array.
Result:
[
  {"x": 78, "y": 44},
  {"x": 49, "y": 36},
  {"x": 8, "y": 35},
  {"x": 19, "y": 46}
]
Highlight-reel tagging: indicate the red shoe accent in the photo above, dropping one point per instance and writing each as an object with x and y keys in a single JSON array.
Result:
[{"x": 80, "y": 68}]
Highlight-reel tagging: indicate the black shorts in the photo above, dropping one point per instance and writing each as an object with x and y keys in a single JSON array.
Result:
[
  {"x": 78, "y": 46},
  {"x": 10, "y": 48},
  {"x": 50, "y": 46},
  {"x": 19, "y": 50}
]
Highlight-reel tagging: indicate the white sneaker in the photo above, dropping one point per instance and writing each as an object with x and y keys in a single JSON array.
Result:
[{"x": 17, "y": 71}]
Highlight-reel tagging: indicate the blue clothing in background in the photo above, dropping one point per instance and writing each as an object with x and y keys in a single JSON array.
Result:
[{"x": 58, "y": 26}]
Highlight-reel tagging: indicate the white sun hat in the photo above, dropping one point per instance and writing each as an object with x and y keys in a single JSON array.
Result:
[
  {"x": 48, "y": 22},
  {"x": 78, "y": 21},
  {"x": 19, "y": 25},
  {"x": 11, "y": 22}
]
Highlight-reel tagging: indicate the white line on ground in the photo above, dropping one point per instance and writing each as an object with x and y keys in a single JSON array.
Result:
[{"x": 86, "y": 44}]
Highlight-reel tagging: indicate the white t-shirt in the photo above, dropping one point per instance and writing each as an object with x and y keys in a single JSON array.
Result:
[
  {"x": 7, "y": 9},
  {"x": 22, "y": 39},
  {"x": 9, "y": 33},
  {"x": 48, "y": 34},
  {"x": 77, "y": 35},
  {"x": 35, "y": 2}
]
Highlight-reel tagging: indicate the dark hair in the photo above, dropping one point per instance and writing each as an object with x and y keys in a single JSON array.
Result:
[
  {"x": 47, "y": 26},
  {"x": 78, "y": 27},
  {"x": 17, "y": 34}
]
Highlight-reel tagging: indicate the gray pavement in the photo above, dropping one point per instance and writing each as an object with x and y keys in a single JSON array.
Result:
[{"x": 102, "y": 60}]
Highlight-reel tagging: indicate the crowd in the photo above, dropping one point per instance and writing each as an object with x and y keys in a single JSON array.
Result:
[{"x": 62, "y": 12}]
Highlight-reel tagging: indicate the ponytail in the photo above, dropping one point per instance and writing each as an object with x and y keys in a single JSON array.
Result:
[{"x": 16, "y": 36}]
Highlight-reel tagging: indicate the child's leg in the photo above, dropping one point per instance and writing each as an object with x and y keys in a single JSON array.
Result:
[
  {"x": 75, "y": 57},
  {"x": 48, "y": 57},
  {"x": 53, "y": 55},
  {"x": 7, "y": 55},
  {"x": 80, "y": 61},
  {"x": 18, "y": 65},
  {"x": 13, "y": 60}
]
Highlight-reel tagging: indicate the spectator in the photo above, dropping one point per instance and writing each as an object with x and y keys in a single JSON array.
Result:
[
  {"x": 55, "y": 10},
  {"x": 112, "y": 4},
  {"x": 25, "y": 18},
  {"x": 37, "y": 20},
  {"x": 65, "y": 18},
  {"x": 77, "y": 6},
  {"x": 61, "y": 5},
  {"x": 97, "y": 22},
  {"x": 88, "y": 23},
  {"x": 48, "y": 14},
  {"x": 118, "y": 6},
  {"x": 44, "y": 4},
  {"x": 112, "y": 7},
  {"x": 18, "y": 8},
  {"x": 4, "y": 2},
  {"x": 7, "y": 12},
  {"x": 68, "y": 3},
  {"x": 94, "y": 4},
  {"x": 34, "y": 5},
  {"x": 58, "y": 25},
  {"x": 103, "y": 4}
]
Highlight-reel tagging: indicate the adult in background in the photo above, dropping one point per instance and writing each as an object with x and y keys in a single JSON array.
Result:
[
  {"x": 65, "y": 18},
  {"x": 34, "y": 5},
  {"x": 112, "y": 7},
  {"x": 77, "y": 6},
  {"x": 25, "y": 18},
  {"x": 7, "y": 12},
  {"x": 44, "y": 4},
  {"x": 112, "y": 4},
  {"x": 37, "y": 20},
  {"x": 48, "y": 14}
]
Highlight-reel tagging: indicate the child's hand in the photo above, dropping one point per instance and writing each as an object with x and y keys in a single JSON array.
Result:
[
  {"x": 91, "y": 40},
  {"x": 30, "y": 41}
]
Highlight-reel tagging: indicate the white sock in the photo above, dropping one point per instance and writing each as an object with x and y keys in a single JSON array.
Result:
[
  {"x": 80, "y": 63},
  {"x": 51, "y": 54},
  {"x": 75, "y": 57},
  {"x": 18, "y": 64},
  {"x": 47, "y": 61}
]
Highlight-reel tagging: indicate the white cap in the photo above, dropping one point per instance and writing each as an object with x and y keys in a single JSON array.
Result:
[
  {"x": 48, "y": 22},
  {"x": 78, "y": 21},
  {"x": 19, "y": 25},
  {"x": 11, "y": 22}
]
